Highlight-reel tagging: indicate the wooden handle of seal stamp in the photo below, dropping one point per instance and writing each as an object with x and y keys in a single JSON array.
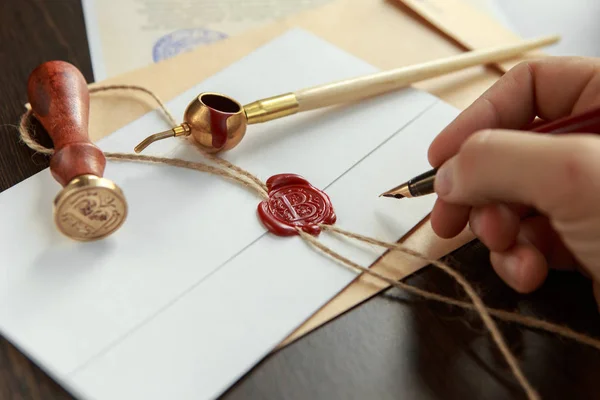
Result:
[{"x": 59, "y": 98}]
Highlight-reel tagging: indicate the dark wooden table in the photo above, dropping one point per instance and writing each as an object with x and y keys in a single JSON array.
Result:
[{"x": 394, "y": 346}]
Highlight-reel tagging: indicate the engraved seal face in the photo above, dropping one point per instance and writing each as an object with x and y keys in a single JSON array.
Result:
[
  {"x": 89, "y": 208},
  {"x": 294, "y": 203}
]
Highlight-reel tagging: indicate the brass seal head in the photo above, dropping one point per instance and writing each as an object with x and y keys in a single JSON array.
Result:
[{"x": 89, "y": 208}]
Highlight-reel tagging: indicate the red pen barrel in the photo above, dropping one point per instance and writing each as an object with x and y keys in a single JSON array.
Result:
[{"x": 586, "y": 122}]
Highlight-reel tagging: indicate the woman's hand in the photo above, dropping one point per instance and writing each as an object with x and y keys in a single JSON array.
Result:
[{"x": 491, "y": 176}]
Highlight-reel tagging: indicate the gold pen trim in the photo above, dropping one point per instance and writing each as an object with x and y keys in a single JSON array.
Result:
[
  {"x": 420, "y": 185},
  {"x": 271, "y": 108}
]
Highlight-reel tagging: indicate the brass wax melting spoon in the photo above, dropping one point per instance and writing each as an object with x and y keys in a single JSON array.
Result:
[{"x": 218, "y": 123}]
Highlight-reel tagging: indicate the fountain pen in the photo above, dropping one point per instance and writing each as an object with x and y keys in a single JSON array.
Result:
[
  {"x": 587, "y": 122},
  {"x": 420, "y": 185}
]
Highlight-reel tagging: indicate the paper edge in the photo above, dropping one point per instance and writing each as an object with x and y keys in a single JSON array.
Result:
[{"x": 93, "y": 39}]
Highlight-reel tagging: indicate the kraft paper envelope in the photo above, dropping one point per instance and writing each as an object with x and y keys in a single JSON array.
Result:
[{"x": 386, "y": 34}]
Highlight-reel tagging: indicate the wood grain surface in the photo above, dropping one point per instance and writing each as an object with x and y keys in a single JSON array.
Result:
[{"x": 394, "y": 346}]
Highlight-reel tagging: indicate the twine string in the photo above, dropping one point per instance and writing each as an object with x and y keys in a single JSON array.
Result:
[
  {"x": 227, "y": 165},
  {"x": 198, "y": 166},
  {"x": 508, "y": 316},
  {"x": 228, "y": 169},
  {"x": 233, "y": 172},
  {"x": 478, "y": 303},
  {"x": 161, "y": 104}
]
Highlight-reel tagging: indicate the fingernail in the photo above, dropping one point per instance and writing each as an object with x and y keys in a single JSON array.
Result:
[{"x": 443, "y": 179}]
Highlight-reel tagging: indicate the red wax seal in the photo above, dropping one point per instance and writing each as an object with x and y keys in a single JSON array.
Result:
[{"x": 294, "y": 203}]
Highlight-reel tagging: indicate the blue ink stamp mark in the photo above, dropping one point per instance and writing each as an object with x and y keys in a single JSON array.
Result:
[{"x": 183, "y": 40}]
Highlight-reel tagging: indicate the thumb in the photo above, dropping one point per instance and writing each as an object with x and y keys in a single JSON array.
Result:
[{"x": 557, "y": 174}]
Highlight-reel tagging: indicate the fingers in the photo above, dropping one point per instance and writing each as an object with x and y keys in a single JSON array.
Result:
[
  {"x": 539, "y": 232},
  {"x": 558, "y": 175},
  {"x": 448, "y": 220},
  {"x": 524, "y": 266},
  {"x": 496, "y": 225},
  {"x": 549, "y": 88}
]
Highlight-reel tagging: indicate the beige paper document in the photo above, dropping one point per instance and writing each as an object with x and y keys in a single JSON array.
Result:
[
  {"x": 471, "y": 27},
  {"x": 128, "y": 34}
]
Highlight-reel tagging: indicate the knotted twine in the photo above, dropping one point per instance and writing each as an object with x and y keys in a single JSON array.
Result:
[{"x": 230, "y": 171}]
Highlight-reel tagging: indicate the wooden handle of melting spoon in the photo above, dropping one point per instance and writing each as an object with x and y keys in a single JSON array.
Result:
[{"x": 59, "y": 98}]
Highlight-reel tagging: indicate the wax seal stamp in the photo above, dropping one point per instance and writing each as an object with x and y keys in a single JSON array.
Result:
[
  {"x": 294, "y": 203},
  {"x": 89, "y": 207}
]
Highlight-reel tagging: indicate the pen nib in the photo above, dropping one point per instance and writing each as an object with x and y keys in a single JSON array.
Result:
[
  {"x": 396, "y": 196},
  {"x": 399, "y": 192}
]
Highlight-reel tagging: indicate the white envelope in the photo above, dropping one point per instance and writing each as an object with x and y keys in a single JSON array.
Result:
[{"x": 193, "y": 291}]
